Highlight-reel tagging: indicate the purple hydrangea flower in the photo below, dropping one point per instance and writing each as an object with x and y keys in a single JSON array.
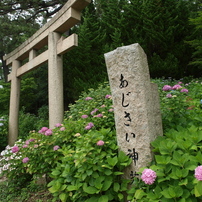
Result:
[
  {"x": 184, "y": 90},
  {"x": 99, "y": 115},
  {"x": 48, "y": 132},
  {"x": 166, "y": 88},
  {"x": 148, "y": 176},
  {"x": 56, "y": 147},
  {"x": 15, "y": 149},
  {"x": 95, "y": 110},
  {"x": 84, "y": 116},
  {"x": 25, "y": 160},
  {"x": 58, "y": 124},
  {"x": 169, "y": 95},
  {"x": 89, "y": 126},
  {"x": 62, "y": 128},
  {"x": 198, "y": 173},
  {"x": 88, "y": 98},
  {"x": 176, "y": 87},
  {"x": 100, "y": 143},
  {"x": 108, "y": 96},
  {"x": 43, "y": 130}
]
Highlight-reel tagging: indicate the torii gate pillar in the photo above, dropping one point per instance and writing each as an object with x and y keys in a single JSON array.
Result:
[
  {"x": 55, "y": 81},
  {"x": 14, "y": 103},
  {"x": 50, "y": 34}
]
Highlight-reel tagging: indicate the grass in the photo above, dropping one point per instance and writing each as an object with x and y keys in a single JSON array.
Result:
[{"x": 31, "y": 193}]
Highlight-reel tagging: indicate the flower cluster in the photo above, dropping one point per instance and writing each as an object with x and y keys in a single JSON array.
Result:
[
  {"x": 89, "y": 126},
  {"x": 175, "y": 87},
  {"x": 198, "y": 173},
  {"x": 148, "y": 176},
  {"x": 100, "y": 143}
]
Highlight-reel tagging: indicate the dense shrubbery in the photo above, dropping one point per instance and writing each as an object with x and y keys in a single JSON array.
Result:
[{"x": 81, "y": 160}]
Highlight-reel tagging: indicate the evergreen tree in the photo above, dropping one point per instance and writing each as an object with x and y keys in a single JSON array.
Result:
[
  {"x": 197, "y": 42},
  {"x": 84, "y": 66},
  {"x": 160, "y": 27}
]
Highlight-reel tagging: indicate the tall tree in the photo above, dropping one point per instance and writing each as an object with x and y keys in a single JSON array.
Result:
[
  {"x": 84, "y": 66},
  {"x": 197, "y": 42}
]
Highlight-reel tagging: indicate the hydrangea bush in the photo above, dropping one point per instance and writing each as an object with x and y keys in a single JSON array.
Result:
[
  {"x": 82, "y": 161},
  {"x": 175, "y": 173},
  {"x": 80, "y": 157}
]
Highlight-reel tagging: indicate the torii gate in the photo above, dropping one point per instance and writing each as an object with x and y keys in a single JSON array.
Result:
[{"x": 50, "y": 34}]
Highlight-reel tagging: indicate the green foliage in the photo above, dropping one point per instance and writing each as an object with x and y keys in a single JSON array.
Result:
[
  {"x": 78, "y": 171},
  {"x": 182, "y": 109},
  {"x": 4, "y": 101},
  {"x": 89, "y": 172},
  {"x": 197, "y": 42},
  {"x": 177, "y": 154},
  {"x": 99, "y": 102},
  {"x": 29, "y": 122},
  {"x": 3, "y": 132},
  {"x": 82, "y": 162}
]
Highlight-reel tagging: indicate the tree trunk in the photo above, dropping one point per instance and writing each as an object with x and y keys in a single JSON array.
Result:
[{"x": 5, "y": 68}]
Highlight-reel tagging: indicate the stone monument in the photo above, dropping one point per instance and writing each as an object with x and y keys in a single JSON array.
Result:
[{"x": 136, "y": 104}]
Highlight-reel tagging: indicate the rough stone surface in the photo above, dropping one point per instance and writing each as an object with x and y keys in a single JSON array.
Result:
[{"x": 136, "y": 104}]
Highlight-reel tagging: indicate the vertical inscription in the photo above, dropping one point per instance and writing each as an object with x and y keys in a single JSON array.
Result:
[{"x": 128, "y": 119}]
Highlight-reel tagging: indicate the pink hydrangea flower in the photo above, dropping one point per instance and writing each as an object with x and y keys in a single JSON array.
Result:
[
  {"x": 198, "y": 173},
  {"x": 15, "y": 149},
  {"x": 169, "y": 95},
  {"x": 25, "y": 146},
  {"x": 88, "y": 98},
  {"x": 148, "y": 176},
  {"x": 111, "y": 110},
  {"x": 176, "y": 87},
  {"x": 62, "y": 128},
  {"x": 89, "y": 126},
  {"x": 56, "y": 147},
  {"x": 48, "y": 132},
  {"x": 58, "y": 124},
  {"x": 27, "y": 142},
  {"x": 180, "y": 82},
  {"x": 103, "y": 106},
  {"x": 25, "y": 160},
  {"x": 108, "y": 96},
  {"x": 94, "y": 111},
  {"x": 100, "y": 143},
  {"x": 84, "y": 116},
  {"x": 184, "y": 90},
  {"x": 166, "y": 88},
  {"x": 36, "y": 145},
  {"x": 43, "y": 130},
  {"x": 99, "y": 115}
]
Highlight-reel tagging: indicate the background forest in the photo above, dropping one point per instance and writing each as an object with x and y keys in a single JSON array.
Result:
[{"x": 169, "y": 31}]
